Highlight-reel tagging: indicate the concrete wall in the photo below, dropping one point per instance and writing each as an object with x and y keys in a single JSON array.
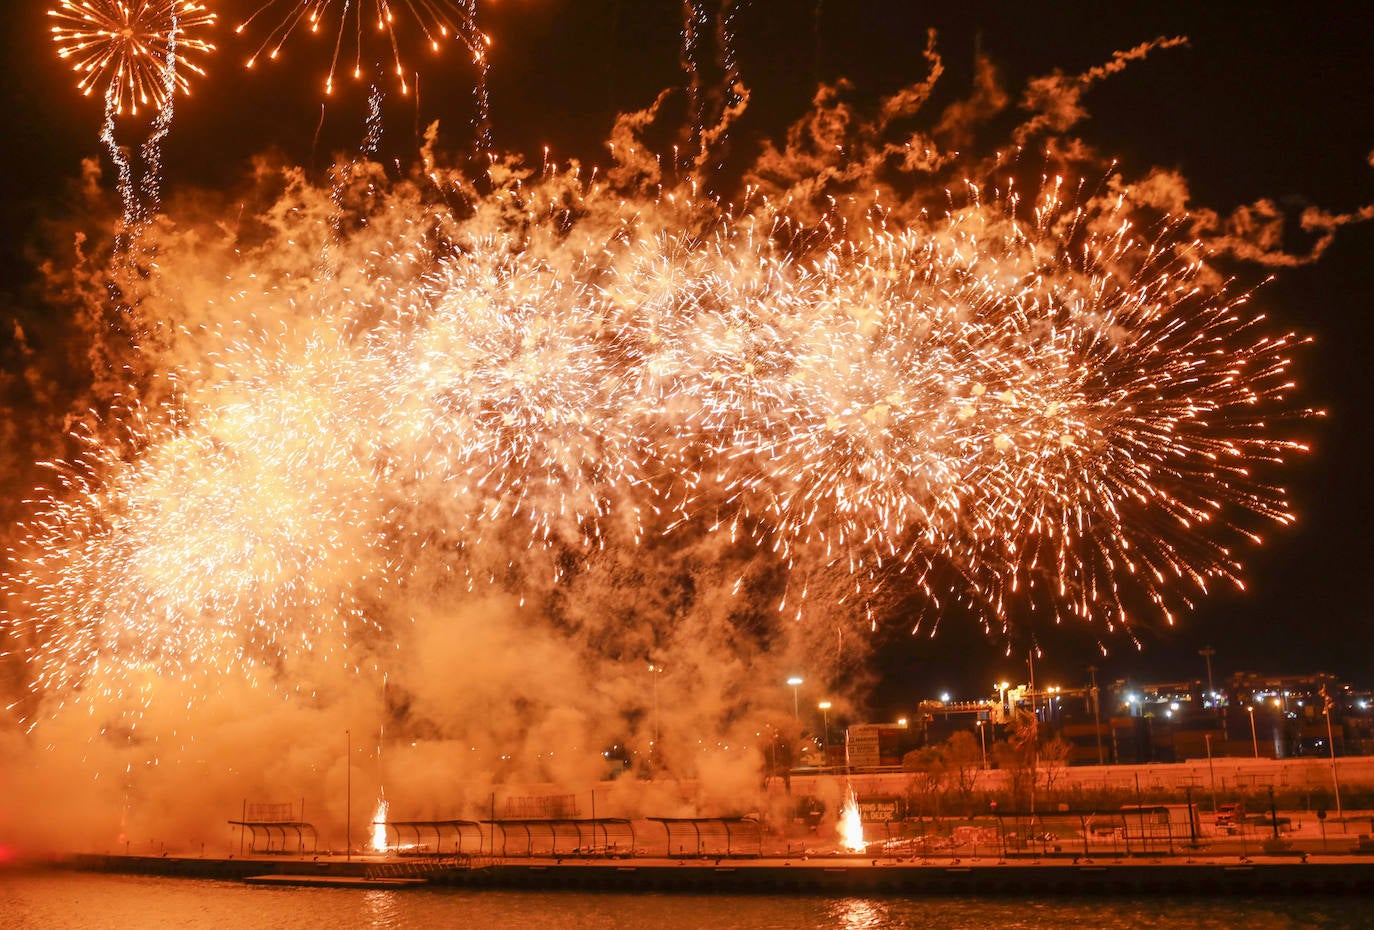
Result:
[{"x": 1228, "y": 776}]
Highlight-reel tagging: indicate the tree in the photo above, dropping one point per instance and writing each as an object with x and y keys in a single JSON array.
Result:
[
  {"x": 964, "y": 757},
  {"x": 1016, "y": 755},
  {"x": 1054, "y": 754},
  {"x": 929, "y": 770}
]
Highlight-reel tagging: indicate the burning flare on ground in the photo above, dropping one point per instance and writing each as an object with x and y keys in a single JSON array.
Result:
[
  {"x": 379, "y": 838},
  {"x": 851, "y": 825}
]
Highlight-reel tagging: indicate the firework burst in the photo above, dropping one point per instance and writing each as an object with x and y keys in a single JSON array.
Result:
[
  {"x": 414, "y": 396},
  {"x": 353, "y": 23},
  {"x": 148, "y": 570},
  {"x": 1010, "y": 408},
  {"x": 122, "y": 47}
]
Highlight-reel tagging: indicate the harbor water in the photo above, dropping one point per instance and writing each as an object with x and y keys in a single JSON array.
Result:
[{"x": 88, "y": 901}]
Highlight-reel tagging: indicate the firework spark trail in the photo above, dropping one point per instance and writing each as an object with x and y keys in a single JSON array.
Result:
[
  {"x": 151, "y": 183},
  {"x": 713, "y": 104},
  {"x": 479, "y": 43},
  {"x": 694, "y": 22},
  {"x": 124, "y": 176}
]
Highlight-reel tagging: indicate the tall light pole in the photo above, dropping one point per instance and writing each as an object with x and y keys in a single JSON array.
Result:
[
  {"x": 348, "y": 799},
  {"x": 655, "y": 671},
  {"x": 1207, "y": 652},
  {"x": 1211, "y": 770},
  {"x": 795, "y": 681},
  {"x": 1253, "y": 738},
  {"x": 825, "y": 716},
  {"x": 983, "y": 741},
  {"x": 1331, "y": 744},
  {"x": 1097, "y": 716}
]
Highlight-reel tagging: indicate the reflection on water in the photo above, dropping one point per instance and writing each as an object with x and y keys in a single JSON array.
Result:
[
  {"x": 383, "y": 910},
  {"x": 60, "y": 900},
  {"x": 861, "y": 914}
]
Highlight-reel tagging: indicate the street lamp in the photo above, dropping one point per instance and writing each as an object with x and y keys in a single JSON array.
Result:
[
  {"x": 1207, "y": 652},
  {"x": 348, "y": 798},
  {"x": 1331, "y": 745},
  {"x": 983, "y": 741},
  {"x": 1211, "y": 771},
  {"x": 795, "y": 681},
  {"x": 1253, "y": 738},
  {"x": 825, "y": 716},
  {"x": 1097, "y": 714},
  {"x": 655, "y": 670}
]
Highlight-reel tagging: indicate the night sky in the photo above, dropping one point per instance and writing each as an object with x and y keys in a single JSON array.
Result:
[{"x": 1260, "y": 104}]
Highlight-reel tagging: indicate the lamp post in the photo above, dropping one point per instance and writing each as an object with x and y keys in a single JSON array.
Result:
[
  {"x": 1331, "y": 744},
  {"x": 1254, "y": 740},
  {"x": 655, "y": 671},
  {"x": 348, "y": 800},
  {"x": 825, "y": 717},
  {"x": 795, "y": 681},
  {"x": 983, "y": 742},
  {"x": 1097, "y": 715},
  {"x": 1211, "y": 771},
  {"x": 1207, "y": 652}
]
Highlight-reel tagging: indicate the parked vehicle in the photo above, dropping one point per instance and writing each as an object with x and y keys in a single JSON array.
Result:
[{"x": 1229, "y": 816}]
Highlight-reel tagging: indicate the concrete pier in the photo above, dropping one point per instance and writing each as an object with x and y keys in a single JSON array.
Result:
[{"x": 1280, "y": 875}]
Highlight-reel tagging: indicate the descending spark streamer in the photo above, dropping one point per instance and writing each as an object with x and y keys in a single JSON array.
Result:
[
  {"x": 121, "y": 47},
  {"x": 151, "y": 184},
  {"x": 481, "y": 96},
  {"x": 436, "y": 20},
  {"x": 712, "y": 104}
]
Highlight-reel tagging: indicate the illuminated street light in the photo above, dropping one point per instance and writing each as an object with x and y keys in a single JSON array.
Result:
[
  {"x": 1207, "y": 652},
  {"x": 1253, "y": 738},
  {"x": 655, "y": 670},
  {"x": 1097, "y": 714},
  {"x": 795, "y": 681},
  {"x": 348, "y": 799},
  {"x": 825, "y": 716},
  {"x": 1330, "y": 746},
  {"x": 1210, "y": 770}
]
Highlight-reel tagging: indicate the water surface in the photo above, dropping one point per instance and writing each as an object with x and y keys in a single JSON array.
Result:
[{"x": 58, "y": 900}]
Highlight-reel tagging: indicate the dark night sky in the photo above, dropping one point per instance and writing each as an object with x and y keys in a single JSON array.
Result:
[{"x": 1269, "y": 100}]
